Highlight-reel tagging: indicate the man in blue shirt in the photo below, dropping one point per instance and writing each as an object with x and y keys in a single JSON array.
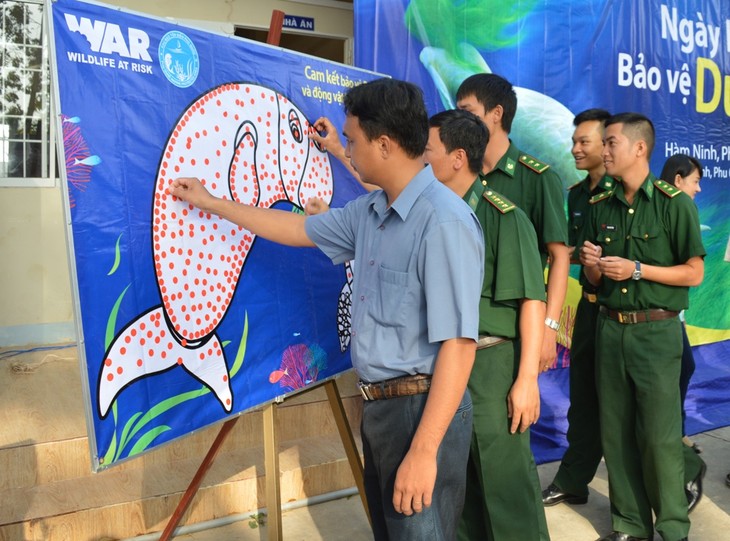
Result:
[{"x": 418, "y": 265}]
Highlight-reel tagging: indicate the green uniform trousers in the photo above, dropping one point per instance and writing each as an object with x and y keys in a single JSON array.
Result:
[
  {"x": 693, "y": 464},
  {"x": 503, "y": 500},
  {"x": 637, "y": 374},
  {"x": 584, "y": 452}
]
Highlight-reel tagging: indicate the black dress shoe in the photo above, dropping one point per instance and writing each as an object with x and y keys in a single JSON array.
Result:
[
  {"x": 727, "y": 479},
  {"x": 619, "y": 536},
  {"x": 552, "y": 495},
  {"x": 693, "y": 489}
]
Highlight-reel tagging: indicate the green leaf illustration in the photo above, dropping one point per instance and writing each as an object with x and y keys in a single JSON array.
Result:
[
  {"x": 241, "y": 353},
  {"x": 147, "y": 439},
  {"x": 111, "y": 323},
  {"x": 117, "y": 257}
]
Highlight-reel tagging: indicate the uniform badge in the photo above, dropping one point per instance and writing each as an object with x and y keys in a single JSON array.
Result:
[
  {"x": 473, "y": 200},
  {"x": 510, "y": 166}
]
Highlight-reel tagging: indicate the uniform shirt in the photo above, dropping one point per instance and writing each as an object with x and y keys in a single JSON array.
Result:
[
  {"x": 579, "y": 195},
  {"x": 418, "y": 269},
  {"x": 512, "y": 269},
  {"x": 661, "y": 228},
  {"x": 537, "y": 190}
]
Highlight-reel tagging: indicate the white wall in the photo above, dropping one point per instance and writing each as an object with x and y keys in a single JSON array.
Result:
[{"x": 36, "y": 304}]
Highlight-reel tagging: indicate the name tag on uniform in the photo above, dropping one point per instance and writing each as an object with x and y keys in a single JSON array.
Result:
[{"x": 608, "y": 227}]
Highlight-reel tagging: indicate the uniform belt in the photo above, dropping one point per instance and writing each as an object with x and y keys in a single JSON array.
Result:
[
  {"x": 590, "y": 297},
  {"x": 486, "y": 341},
  {"x": 638, "y": 316},
  {"x": 393, "y": 388}
]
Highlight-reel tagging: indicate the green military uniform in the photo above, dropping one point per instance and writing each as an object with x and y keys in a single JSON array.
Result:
[
  {"x": 637, "y": 364},
  {"x": 514, "y": 496},
  {"x": 537, "y": 190},
  {"x": 501, "y": 502},
  {"x": 584, "y": 452}
]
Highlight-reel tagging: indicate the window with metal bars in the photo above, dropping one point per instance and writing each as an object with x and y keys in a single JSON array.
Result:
[{"x": 25, "y": 129}]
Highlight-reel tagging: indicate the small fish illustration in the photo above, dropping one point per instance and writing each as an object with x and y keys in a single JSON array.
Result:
[
  {"x": 91, "y": 160},
  {"x": 72, "y": 120},
  {"x": 276, "y": 375}
]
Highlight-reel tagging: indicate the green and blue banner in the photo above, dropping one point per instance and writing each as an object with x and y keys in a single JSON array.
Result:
[{"x": 668, "y": 59}]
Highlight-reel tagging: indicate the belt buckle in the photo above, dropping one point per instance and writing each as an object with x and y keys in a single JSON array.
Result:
[
  {"x": 364, "y": 389},
  {"x": 627, "y": 318}
]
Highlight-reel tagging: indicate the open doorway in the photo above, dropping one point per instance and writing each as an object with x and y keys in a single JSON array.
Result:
[{"x": 320, "y": 46}]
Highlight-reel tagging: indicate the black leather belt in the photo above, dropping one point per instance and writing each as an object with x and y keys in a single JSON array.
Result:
[
  {"x": 638, "y": 316},
  {"x": 393, "y": 388}
]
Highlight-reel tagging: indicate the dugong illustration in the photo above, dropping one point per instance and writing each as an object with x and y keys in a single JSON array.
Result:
[{"x": 247, "y": 143}]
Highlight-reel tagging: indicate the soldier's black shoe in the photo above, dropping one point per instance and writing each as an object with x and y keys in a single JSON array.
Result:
[
  {"x": 552, "y": 495},
  {"x": 693, "y": 489},
  {"x": 619, "y": 536}
]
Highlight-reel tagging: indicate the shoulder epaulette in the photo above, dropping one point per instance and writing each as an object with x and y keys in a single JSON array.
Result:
[
  {"x": 500, "y": 202},
  {"x": 575, "y": 185},
  {"x": 666, "y": 188},
  {"x": 533, "y": 163},
  {"x": 600, "y": 197}
]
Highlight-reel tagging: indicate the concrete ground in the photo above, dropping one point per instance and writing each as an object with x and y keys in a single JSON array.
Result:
[{"x": 343, "y": 519}]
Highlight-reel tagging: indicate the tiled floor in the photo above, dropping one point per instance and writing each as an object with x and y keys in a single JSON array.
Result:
[{"x": 343, "y": 519}]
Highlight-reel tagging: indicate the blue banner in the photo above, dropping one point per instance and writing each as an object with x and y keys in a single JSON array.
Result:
[
  {"x": 668, "y": 59},
  {"x": 186, "y": 319}
]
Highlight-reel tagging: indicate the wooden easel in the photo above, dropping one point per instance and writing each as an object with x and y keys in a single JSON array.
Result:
[
  {"x": 271, "y": 463},
  {"x": 271, "y": 457}
]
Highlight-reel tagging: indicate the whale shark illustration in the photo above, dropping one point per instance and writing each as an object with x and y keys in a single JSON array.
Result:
[{"x": 247, "y": 143}]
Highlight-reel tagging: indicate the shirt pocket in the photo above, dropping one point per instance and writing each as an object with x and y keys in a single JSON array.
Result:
[
  {"x": 389, "y": 306},
  {"x": 645, "y": 239},
  {"x": 611, "y": 241},
  {"x": 577, "y": 221}
]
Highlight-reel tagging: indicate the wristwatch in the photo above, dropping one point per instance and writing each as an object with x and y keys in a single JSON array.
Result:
[
  {"x": 554, "y": 325},
  {"x": 636, "y": 275}
]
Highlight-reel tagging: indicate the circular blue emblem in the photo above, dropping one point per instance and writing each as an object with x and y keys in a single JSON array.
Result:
[{"x": 178, "y": 59}]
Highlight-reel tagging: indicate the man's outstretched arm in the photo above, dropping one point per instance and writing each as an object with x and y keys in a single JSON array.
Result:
[{"x": 278, "y": 226}]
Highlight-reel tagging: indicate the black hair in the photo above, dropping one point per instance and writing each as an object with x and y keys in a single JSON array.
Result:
[
  {"x": 636, "y": 127},
  {"x": 460, "y": 129},
  {"x": 591, "y": 114},
  {"x": 680, "y": 164},
  {"x": 491, "y": 90},
  {"x": 393, "y": 108}
]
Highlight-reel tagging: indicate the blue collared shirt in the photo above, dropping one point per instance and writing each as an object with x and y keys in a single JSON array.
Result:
[{"x": 418, "y": 270}]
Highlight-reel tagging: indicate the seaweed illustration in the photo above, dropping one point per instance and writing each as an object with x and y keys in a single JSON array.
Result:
[
  {"x": 79, "y": 161},
  {"x": 140, "y": 420},
  {"x": 300, "y": 366}
]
